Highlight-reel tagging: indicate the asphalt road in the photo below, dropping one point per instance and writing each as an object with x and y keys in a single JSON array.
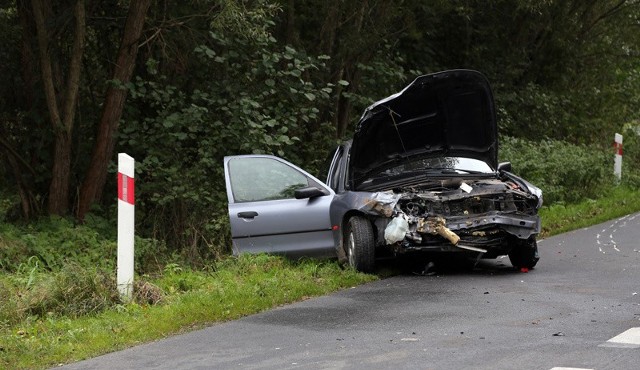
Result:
[{"x": 580, "y": 308}]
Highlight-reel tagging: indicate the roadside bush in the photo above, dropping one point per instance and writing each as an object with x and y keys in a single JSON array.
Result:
[
  {"x": 54, "y": 242},
  {"x": 565, "y": 172},
  {"x": 75, "y": 290}
]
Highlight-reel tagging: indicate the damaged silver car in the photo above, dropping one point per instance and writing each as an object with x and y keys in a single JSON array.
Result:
[{"x": 421, "y": 175}]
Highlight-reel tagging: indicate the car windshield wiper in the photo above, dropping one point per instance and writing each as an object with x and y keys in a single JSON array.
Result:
[
  {"x": 453, "y": 171},
  {"x": 474, "y": 171}
]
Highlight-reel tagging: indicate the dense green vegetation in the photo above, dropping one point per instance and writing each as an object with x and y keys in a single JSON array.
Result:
[{"x": 179, "y": 85}]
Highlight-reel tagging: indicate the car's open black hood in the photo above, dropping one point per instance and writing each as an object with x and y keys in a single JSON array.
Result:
[{"x": 449, "y": 113}]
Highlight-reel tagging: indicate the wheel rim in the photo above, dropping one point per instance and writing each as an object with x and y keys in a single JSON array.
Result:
[{"x": 351, "y": 250}]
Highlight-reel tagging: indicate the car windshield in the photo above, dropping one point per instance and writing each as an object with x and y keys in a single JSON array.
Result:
[{"x": 440, "y": 165}]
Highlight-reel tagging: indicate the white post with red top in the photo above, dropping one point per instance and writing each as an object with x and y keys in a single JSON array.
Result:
[
  {"x": 617, "y": 160},
  {"x": 126, "y": 213}
]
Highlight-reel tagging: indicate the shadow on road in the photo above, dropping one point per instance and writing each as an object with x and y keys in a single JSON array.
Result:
[{"x": 445, "y": 265}]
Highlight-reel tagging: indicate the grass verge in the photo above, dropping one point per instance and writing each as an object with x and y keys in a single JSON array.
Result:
[
  {"x": 232, "y": 288},
  {"x": 560, "y": 218}
]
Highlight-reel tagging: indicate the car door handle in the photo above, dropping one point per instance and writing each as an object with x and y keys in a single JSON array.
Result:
[{"x": 247, "y": 214}]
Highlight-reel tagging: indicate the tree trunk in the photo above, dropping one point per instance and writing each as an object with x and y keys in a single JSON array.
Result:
[
  {"x": 96, "y": 175},
  {"x": 61, "y": 122},
  {"x": 61, "y": 171}
]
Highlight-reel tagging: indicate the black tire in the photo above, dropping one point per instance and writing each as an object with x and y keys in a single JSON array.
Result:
[
  {"x": 524, "y": 255},
  {"x": 359, "y": 244}
]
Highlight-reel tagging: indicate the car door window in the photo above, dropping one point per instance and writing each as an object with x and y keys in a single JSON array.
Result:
[{"x": 258, "y": 178}]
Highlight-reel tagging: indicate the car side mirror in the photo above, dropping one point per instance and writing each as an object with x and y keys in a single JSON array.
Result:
[
  {"x": 308, "y": 193},
  {"x": 504, "y": 166}
]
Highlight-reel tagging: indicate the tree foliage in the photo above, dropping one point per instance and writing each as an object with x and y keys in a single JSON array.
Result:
[{"x": 264, "y": 99}]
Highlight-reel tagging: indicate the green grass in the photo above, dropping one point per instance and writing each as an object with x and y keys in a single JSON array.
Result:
[
  {"x": 60, "y": 316},
  {"x": 231, "y": 289},
  {"x": 617, "y": 202}
]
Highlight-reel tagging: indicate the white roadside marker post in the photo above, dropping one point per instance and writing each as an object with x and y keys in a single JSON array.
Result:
[
  {"x": 617, "y": 160},
  {"x": 126, "y": 213}
]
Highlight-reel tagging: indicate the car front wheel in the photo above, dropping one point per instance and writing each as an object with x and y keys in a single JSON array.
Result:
[
  {"x": 360, "y": 244},
  {"x": 524, "y": 255}
]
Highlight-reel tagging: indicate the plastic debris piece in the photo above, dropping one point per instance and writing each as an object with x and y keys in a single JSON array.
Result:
[
  {"x": 466, "y": 187},
  {"x": 409, "y": 339},
  {"x": 558, "y": 334},
  {"x": 396, "y": 230}
]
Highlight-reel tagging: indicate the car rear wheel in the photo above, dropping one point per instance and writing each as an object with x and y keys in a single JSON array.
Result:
[
  {"x": 524, "y": 255},
  {"x": 360, "y": 244}
]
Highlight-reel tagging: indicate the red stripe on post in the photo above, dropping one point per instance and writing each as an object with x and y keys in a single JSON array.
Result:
[
  {"x": 126, "y": 188},
  {"x": 618, "y": 147}
]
